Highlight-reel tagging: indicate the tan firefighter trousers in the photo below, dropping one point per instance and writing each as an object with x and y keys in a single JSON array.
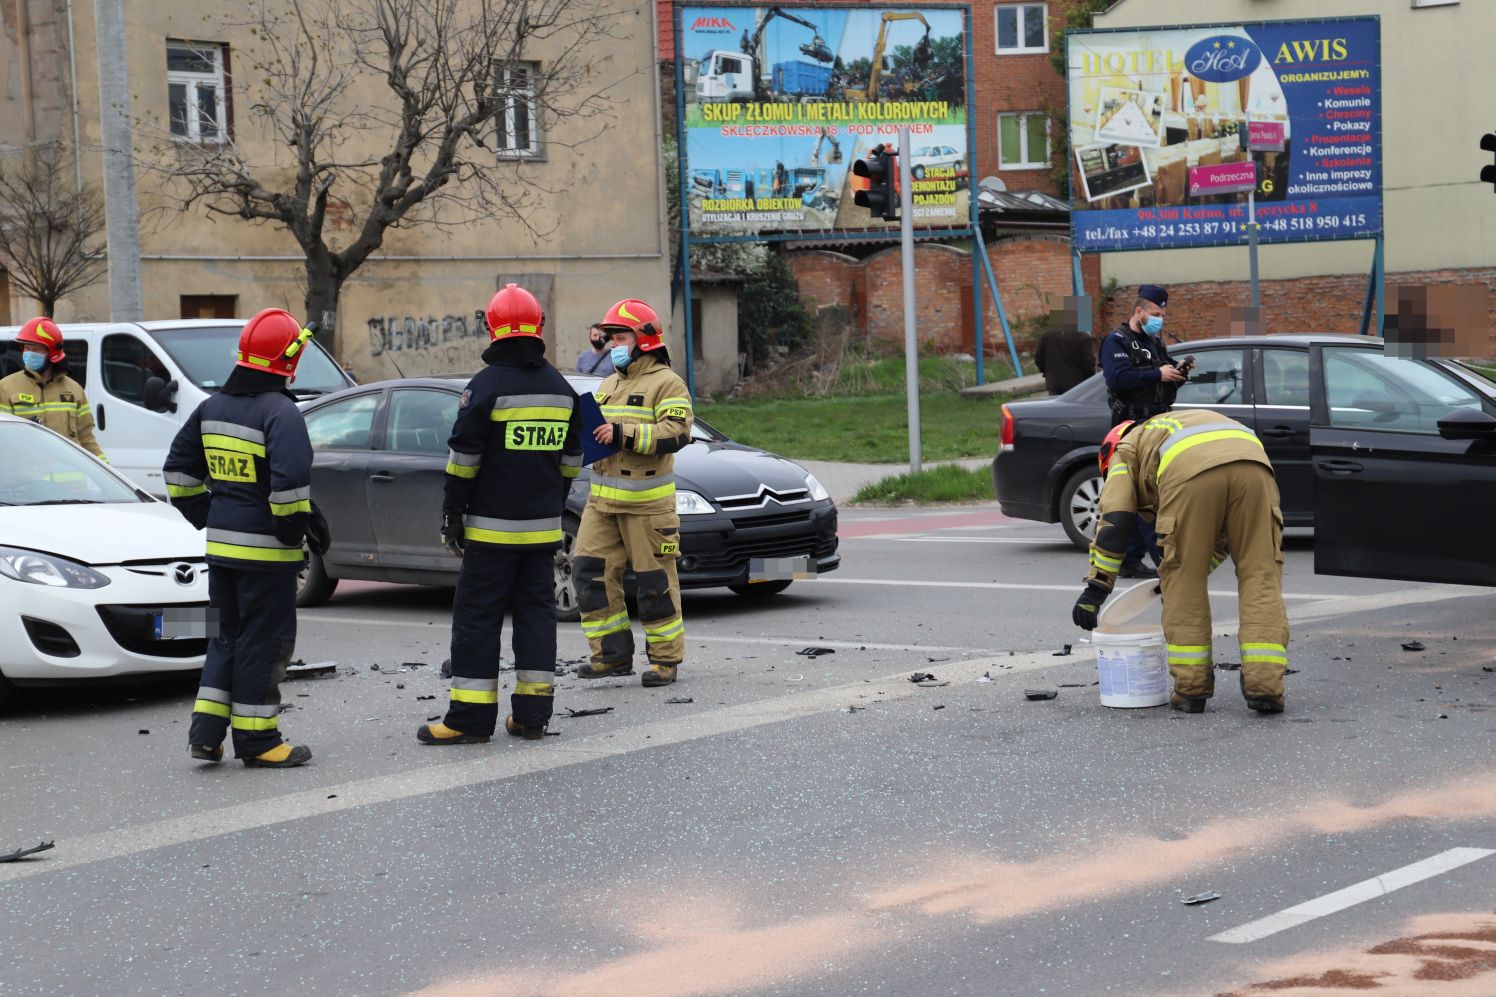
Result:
[
  {"x": 607, "y": 544},
  {"x": 1240, "y": 502}
]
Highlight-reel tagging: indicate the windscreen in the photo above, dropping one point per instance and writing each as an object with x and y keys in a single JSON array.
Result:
[
  {"x": 206, "y": 355},
  {"x": 41, "y": 468}
]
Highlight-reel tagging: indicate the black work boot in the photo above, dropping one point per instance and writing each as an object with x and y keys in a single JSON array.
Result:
[
  {"x": 1136, "y": 569},
  {"x": 529, "y": 732},
  {"x": 282, "y": 756},
  {"x": 593, "y": 670},
  {"x": 440, "y": 733},
  {"x": 1266, "y": 704},
  {"x": 207, "y": 753},
  {"x": 658, "y": 675},
  {"x": 1187, "y": 704}
]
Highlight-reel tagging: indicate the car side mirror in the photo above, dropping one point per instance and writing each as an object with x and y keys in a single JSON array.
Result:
[
  {"x": 157, "y": 394},
  {"x": 1468, "y": 424}
]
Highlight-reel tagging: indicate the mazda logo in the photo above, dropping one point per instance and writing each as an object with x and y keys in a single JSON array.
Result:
[{"x": 185, "y": 574}]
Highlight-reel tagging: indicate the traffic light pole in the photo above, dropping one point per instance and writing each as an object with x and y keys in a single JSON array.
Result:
[{"x": 911, "y": 345}]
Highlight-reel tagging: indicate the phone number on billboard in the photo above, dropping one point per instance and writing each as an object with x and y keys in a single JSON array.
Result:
[{"x": 1199, "y": 230}]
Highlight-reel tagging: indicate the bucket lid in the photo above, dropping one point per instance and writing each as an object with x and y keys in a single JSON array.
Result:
[{"x": 1129, "y": 606}]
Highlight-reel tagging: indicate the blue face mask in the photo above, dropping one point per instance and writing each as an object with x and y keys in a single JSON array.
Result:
[
  {"x": 621, "y": 356},
  {"x": 1153, "y": 325},
  {"x": 34, "y": 361}
]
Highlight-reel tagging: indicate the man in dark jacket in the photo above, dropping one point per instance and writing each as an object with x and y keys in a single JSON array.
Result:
[
  {"x": 514, "y": 450},
  {"x": 1066, "y": 355},
  {"x": 241, "y": 466}
]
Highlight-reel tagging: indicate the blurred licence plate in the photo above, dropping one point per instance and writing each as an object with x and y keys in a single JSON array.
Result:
[
  {"x": 179, "y": 624},
  {"x": 780, "y": 569}
]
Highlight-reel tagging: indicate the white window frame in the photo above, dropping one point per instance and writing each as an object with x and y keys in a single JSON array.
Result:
[
  {"x": 509, "y": 102},
  {"x": 1027, "y": 163},
  {"x": 1022, "y": 9},
  {"x": 218, "y": 79}
]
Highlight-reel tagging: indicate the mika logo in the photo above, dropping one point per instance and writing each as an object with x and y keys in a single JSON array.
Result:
[
  {"x": 711, "y": 24},
  {"x": 1222, "y": 58}
]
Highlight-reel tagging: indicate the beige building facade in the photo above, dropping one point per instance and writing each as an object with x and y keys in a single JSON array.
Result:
[
  {"x": 1436, "y": 86},
  {"x": 594, "y": 226}
]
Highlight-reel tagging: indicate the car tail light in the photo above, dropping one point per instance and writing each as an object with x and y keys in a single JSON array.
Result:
[{"x": 1007, "y": 429}]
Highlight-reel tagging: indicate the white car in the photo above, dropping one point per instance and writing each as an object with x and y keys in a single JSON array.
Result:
[
  {"x": 97, "y": 578},
  {"x": 928, "y": 157}
]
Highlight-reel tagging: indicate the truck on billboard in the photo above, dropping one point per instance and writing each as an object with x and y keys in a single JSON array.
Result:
[
  {"x": 1159, "y": 117},
  {"x": 780, "y": 100}
]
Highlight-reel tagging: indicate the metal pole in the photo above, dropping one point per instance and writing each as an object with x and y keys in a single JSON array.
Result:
[
  {"x": 685, "y": 210},
  {"x": 979, "y": 331},
  {"x": 121, "y": 213},
  {"x": 1252, "y": 239},
  {"x": 911, "y": 347},
  {"x": 1371, "y": 290},
  {"x": 1379, "y": 271},
  {"x": 997, "y": 299},
  {"x": 1077, "y": 278}
]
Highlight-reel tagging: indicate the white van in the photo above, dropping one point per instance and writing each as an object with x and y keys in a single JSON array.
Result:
[{"x": 143, "y": 380}]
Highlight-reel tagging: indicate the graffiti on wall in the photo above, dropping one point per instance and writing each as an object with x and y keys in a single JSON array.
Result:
[{"x": 431, "y": 344}]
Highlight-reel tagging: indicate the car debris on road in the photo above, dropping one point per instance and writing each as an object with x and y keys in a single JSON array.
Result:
[{"x": 21, "y": 853}]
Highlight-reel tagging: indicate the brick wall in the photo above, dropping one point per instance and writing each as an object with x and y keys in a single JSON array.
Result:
[
  {"x": 1033, "y": 274},
  {"x": 1329, "y": 303}
]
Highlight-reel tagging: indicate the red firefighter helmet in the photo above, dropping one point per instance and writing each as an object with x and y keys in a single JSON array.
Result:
[
  {"x": 44, "y": 332},
  {"x": 640, "y": 319},
  {"x": 1109, "y": 444},
  {"x": 513, "y": 313},
  {"x": 273, "y": 341}
]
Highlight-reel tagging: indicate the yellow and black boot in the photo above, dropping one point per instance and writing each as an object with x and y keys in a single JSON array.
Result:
[
  {"x": 658, "y": 675},
  {"x": 529, "y": 732},
  {"x": 282, "y": 756},
  {"x": 212, "y": 753},
  {"x": 440, "y": 733},
  {"x": 598, "y": 670}
]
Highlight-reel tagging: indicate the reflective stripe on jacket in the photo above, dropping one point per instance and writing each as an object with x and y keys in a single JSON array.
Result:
[{"x": 58, "y": 404}]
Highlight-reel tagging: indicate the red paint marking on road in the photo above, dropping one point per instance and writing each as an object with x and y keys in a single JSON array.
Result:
[{"x": 921, "y": 524}]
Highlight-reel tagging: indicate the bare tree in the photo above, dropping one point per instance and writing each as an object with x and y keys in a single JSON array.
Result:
[
  {"x": 49, "y": 229},
  {"x": 396, "y": 113}
]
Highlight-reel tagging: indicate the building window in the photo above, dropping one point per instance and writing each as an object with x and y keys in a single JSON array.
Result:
[
  {"x": 1022, "y": 28},
  {"x": 197, "y": 91},
  {"x": 517, "y": 119},
  {"x": 1023, "y": 141},
  {"x": 210, "y": 305}
]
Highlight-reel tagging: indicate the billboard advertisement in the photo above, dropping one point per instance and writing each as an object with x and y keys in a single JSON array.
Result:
[
  {"x": 781, "y": 100},
  {"x": 1156, "y": 117}
]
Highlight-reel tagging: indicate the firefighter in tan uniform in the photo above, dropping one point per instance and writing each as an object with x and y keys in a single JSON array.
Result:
[
  {"x": 1208, "y": 486},
  {"x": 630, "y": 519},
  {"x": 43, "y": 392}
]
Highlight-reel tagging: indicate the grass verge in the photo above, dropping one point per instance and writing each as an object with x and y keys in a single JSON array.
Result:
[
  {"x": 870, "y": 429},
  {"x": 951, "y": 483}
]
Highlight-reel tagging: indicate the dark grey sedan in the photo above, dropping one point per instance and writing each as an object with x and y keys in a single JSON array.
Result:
[{"x": 380, "y": 467}]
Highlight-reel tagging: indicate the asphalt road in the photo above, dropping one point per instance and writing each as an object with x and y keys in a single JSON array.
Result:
[{"x": 803, "y": 825}]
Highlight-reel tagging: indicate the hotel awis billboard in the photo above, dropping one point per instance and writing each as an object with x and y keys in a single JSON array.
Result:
[
  {"x": 780, "y": 100},
  {"x": 1154, "y": 121}
]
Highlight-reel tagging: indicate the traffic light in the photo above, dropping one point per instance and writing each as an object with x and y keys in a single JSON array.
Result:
[
  {"x": 876, "y": 184},
  {"x": 1488, "y": 173}
]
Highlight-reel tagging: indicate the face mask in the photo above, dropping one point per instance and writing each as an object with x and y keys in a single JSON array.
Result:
[
  {"x": 1153, "y": 324},
  {"x": 34, "y": 361},
  {"x": 621, "y": 356},
  {"x": 598, "y": 343}
]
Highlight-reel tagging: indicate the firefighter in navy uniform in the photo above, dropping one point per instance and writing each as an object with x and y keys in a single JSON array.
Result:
[
  {"x": 1207, "y": 484},
  {"x": 515, "y": 448},
  {"x": 1141, "y": 381},
  {"x": 630, "y": 519},
  {"x": 241, "y": 466}
]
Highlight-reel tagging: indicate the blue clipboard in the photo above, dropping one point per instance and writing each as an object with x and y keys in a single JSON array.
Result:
[{"x": 592, "y": 417}]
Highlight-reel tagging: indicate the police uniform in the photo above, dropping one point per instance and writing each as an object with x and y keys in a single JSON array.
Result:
[
  {"x": 1206, "y": 483},
  {"x": 514, "y": 450},
  {"x": 630, "y": 521},
  {"x": 241, "y": 466},
  {"x": 58, "y": 403},
  {"x": 1130, "y": 360}
]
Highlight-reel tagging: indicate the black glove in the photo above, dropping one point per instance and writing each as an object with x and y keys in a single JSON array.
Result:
[
  {"x": 290, "y": 530},
  {"x": 318, "y": 533},
  {"x": 1088, "y": 606},
  {"x": 452, "y": 535}
]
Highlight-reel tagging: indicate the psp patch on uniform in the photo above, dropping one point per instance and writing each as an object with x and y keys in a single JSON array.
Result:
[
  {"x": 669, "y": 549},
  {"x": 467, "y": 396},
  {"x": 676, "y": 412}
]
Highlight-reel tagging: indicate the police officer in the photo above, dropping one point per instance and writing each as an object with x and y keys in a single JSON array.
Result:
[
  {"x": 1206, "y": 483},
  {"x": 630, "y": 519},
  {"x": 515, "y": 447},
  {"x": 1141, "y": 380},
  {"x": 242, "y": 466},
  {"x": 43, "y": 392}
]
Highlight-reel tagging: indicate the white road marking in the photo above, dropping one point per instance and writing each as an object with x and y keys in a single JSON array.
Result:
[
  {"x": 1051, "y": 541},
  {"x": 1363, "y": 891},
  {"x": 1025, "y": 586},
  {"x": 818, "y": 642}
]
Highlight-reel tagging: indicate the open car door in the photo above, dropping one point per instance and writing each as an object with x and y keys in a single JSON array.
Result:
[{"x": 1404, "y": 459}]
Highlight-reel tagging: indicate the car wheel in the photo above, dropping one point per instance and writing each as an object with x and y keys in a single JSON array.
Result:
[
  {"x": 760, "y": 590},
  {"x": 313, "y": 586},
  {"x": 1080, "y": 506},
  {"x": 567, "y": 610}
]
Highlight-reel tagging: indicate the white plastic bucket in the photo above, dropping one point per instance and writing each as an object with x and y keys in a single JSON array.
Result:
[
  {"x": 1131, "y": 657},
  {"x": 1133, "y": 668}
]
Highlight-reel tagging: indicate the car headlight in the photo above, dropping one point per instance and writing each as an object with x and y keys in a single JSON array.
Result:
[
  {"x": 691, "y": 504},
  {"x": 44, "y": 569},
  {"x": 818, "y": 492}
]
